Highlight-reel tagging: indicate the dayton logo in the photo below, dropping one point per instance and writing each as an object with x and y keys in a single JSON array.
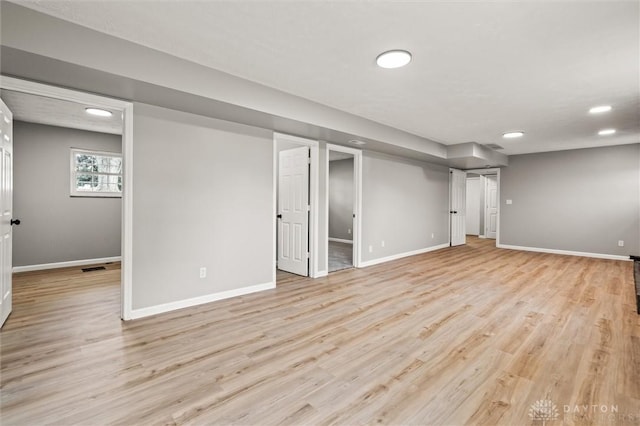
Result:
[{"x": 543, "y": 410}]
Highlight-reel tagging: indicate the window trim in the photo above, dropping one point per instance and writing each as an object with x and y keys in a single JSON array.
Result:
[{"x": 73, "y": 192}]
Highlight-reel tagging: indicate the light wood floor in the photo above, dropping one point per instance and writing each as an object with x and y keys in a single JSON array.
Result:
[{"x": 465, "y": 335}]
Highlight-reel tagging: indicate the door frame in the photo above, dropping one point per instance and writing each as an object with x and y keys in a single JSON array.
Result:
[
  {"x": 313, "y": 199},
  {"x": 491, "y": 171},
  {"x": 357, "y": 195},
  {"x": 126, "y": 229}
]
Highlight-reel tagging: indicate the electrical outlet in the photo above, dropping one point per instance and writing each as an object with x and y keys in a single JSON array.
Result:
[
  {"x": 203, "y": 272},
  {"x": 433, "y": 235},
  {"x": 349, "y": 231},
  {"x": 620, "y": 243},
  {"x": 370, "y": 249},
  {"x": 382, "y": 243}
]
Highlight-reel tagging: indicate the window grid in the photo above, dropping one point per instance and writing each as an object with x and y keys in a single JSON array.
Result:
[{"x": 96, "y": 173}]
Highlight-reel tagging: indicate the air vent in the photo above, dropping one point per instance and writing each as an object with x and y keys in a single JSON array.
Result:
[
  {"x": 95, "y": 268},
  {"x": 493, "y": 146}
]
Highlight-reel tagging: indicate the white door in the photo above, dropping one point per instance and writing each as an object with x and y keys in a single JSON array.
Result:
[
  {"x": 473, "y": 206},
  {"x": 491, "y": 213},
  {"x": 6, "y": 209},
  {"x": 457, "y": 201},
  {"x": 293, "y": 214}
]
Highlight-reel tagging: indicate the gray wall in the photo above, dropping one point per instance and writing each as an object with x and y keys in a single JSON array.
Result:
[
  {"x": 580, "y": 200},
  {"x": 341, "y": 199},
  {"x": 56, "y": 227},
  {"x": 203, "y": 197},
  {"x": 403, "y": 203}
]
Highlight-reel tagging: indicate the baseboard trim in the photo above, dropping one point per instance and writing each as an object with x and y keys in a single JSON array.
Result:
[
  {"x": 340, "y": 240},
  {"x": 208, "y": 298},
  {"x": 366, "y": 263},
  {"x": 68, "y": 264},
  {"x": 565, "y": 252},
  {"x": 321, "y": 274}
]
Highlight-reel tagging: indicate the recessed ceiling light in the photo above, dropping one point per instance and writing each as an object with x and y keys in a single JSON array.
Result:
[
  {"x": 357, "y": 142},
  {"x": 99, "y": 112},
  {"x": 606, "y": 132},
  {"x": 393, "y": 59},
  {"x": 511, "y": 135},
  {"x": 599, "y": 109}
]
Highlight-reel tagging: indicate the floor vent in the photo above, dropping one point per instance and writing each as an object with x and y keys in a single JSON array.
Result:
[{"x": 94, "y": 268}]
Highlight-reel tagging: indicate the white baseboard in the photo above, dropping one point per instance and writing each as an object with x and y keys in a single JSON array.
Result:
[
  {"x": 564, "y": 252},
  {"x": 68, "y": 264},
  {"x": 340, "y": 240},
  {"x": 172, "y": 306},
  {"x": 321, "y": 274},
  {"x": 366, "y": 263}
]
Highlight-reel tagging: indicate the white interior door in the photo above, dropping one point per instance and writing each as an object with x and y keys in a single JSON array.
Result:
[
  {"x": 6, "y": 209},
  {"x": 293, "y": 211},
  {"x": 491, "y": 213},
  {"x": 457, "y": 201},
  {"x": 472, "y": 206}
]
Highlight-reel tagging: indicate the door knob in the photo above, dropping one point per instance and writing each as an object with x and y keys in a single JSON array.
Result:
[
  {"x": 279, "y": 216},
  {"x": 15, "y": 222},
  {"x": 453, "y": 211}
]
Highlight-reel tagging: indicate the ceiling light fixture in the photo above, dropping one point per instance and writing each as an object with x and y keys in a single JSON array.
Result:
[
  {"x": 98, "y": 112},
  {"x": 393, "y": 59},
  {"x": 357, "y": 142},
  {"x": 599, "y": 109},
  {"x": 511, "y": 135},
  {"x": 606, "y": 132}
]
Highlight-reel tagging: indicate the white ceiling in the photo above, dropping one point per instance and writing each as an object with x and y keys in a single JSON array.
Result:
[
  {"x": 479, "y": 68},
  {"x": 56, "y": 112}
]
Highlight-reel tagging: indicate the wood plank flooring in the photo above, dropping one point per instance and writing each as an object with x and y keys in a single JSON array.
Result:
[{"x": 465, "y": 335}]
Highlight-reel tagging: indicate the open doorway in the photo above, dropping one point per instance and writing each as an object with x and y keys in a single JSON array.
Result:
[
  {"x": 34, "y": 98},
  {"x": 343, "y": 207},
  {"x": 341, "y": 215},
  {"x": 67, "y": 185},
  {"x": 482, "y": 203}
]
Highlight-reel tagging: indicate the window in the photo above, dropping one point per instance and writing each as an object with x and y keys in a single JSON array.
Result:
[{"x": 96, "y": 174}]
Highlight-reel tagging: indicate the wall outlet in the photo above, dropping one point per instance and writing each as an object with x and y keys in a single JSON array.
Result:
[
  {"x": 509, "y": 201},
  {"x": 203, "y": 272},
  {"x": 349, "y": 231},
  {"x": 620, "y": 243},
  {"x": 370, "y": 249},
  {"x": 433, "y": 235},
  {"x": 382, "y": 243}
]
